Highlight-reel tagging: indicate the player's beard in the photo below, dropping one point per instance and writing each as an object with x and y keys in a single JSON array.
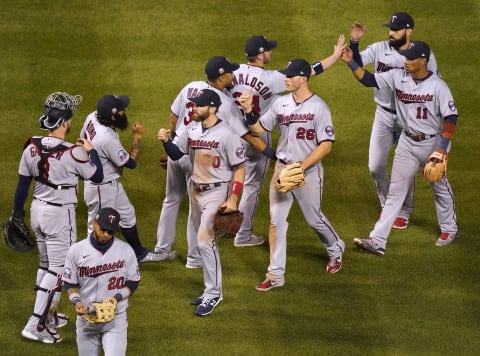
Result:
[
  {"x": 121, "y": 121},
  {"x": 398, "y": 43},
  {"x": 201, "y": 117}
]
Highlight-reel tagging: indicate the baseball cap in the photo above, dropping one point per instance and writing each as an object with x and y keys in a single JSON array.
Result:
[
  {"x": 108, "y": 219},
  {"x": 297, "y": 67},
  {"x": 258, "y": 44},
  {"x": 400, "y": 20},
  {"x": 417, "y": 49},
  {"x": 207, "y": 97},
  {"x": 216, "y": 66},
  {"x": 111, "y": 104}
]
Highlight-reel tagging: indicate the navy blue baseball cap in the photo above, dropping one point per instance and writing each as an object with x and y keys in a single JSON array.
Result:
[
  {"x": 258, "y": 44},
  {"x": 297, "y": 67},
  {"x": 111, "y": 104},
  {"x": 207, "y": 97},
  {"x": 216, "y": 66},
  {"x": 417, "y": 49},
  {"x": 399, "y": 21},
  {"x": 108, "y": 219}
]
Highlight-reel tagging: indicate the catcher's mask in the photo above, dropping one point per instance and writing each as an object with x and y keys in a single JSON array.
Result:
[{"x": 58, "y": 108}]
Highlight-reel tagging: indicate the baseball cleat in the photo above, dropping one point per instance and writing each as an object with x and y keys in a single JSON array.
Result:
[
  {"x": 207, "y": 306},
  {"x": 158, "y": 256},
  {"x": 268, "y": 284},
  {"x": 197, "y": 301},
  {"x": 400, "y": 223},
  {"x": 334, "y": 265},
  {"x": 446, "y": 238},
  {"x": 254, "y": 241},
  {"x": 47, "y": 335},
  {"x": 57, "y": 320},
  {"x": 193, "y": 266},
  {"x": 369, "y": 245}
]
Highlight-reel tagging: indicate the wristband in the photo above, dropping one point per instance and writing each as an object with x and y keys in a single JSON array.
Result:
[
  {"x": 444, "y": 142},
  {"x": 317, "y": 67},
  {"x": 252, "y": 118},
  {"x": 74, "y": 298},
  {"x": 122, "y": 294},
  {"x": 353, "y": 65},
  {"x": 237, "y": 187}
]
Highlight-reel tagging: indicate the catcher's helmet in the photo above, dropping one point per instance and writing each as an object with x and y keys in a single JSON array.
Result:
[{"x": 58, "y": 108}]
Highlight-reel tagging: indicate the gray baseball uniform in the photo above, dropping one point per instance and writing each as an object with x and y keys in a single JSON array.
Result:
[
  {"x": 179, "y": 172},
  {"x": 302, "y": 128},
  {"x": 213, "y": 152},
  {"x": 52, "y": 212},
  {"x": 421, "y": 107},
  {"x": 99, "y": 275},
  {"x": 110, "y": 192},
  {"x": 266, "y": 86},
  {"x": 385, "y": 129}
]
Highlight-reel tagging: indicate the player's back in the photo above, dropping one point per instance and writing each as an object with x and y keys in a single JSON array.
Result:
[
  {"x": 107, "y": 143},
  {"x": 266, "y": 85}
]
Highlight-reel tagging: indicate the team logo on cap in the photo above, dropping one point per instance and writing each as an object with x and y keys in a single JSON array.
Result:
[
  {"x": 394, "y": 18},
  {"x": 111, "y": 218}
]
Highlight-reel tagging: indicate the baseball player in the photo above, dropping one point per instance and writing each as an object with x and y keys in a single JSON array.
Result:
[
  {"x": 100, "y": 128},
  {"x": 217, "y": 157},
  {"x": 56, "y": 166},
  {"x": 98, "y": 267},
  {"x": 266, "y": 85},
  {"x": 306, "y": 135},
  {"x": 219, "y": 77},
  {"x": 384, "y": 56},
  {"x": 427, "y": 114}
]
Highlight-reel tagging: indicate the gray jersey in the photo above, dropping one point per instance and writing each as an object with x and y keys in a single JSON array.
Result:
[
  {"x": 182, "y": 107},
  {"x": 107, "y": 143},
  {"x": 213, "y": 152},
  {"x": 384, "y": 57},
  {"x": 62, "y": 168},
  {"x": 266, "y": 85},
  {"x": 421, "y": 106},
  {"x": 101, "y": 275},
  {"x": 305, "y": 125}
]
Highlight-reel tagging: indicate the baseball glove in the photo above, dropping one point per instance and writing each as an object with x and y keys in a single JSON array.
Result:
[
  {"x": 436, "y": 167},
  {"x": 291, "y": 177},
  {"x": 227, "y": 223},
  {"x": 163, "y": 161},
  {"x": 104, "y": 311},
  {"x": 16, "y": 233}
]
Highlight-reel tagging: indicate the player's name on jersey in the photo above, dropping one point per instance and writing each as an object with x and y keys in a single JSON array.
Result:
[{"x": 254, "y": 82}]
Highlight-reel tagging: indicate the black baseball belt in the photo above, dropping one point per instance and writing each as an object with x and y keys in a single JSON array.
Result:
[
  {"x": 419, "y": 137},
  {"x": 200, "y": 187}
]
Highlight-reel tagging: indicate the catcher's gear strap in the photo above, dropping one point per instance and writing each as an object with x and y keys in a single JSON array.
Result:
[{"x": 43, "y": 164}]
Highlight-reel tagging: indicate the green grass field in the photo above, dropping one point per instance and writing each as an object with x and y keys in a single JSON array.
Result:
[{"x": 416, "y": 300}]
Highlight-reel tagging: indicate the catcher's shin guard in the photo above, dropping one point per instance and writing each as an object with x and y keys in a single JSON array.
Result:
[{"x": 48, "y": 293}]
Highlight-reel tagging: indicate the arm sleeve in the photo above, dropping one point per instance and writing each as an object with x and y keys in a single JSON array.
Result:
[
  {"x": 95, "y": 160},
  {"x": 21, "y": 192},
  {"x": 356, "y": 53},
  {"x": 132, "y": 285},
  {"x": 131, "y": 163},
  {"x": 172, "y": 150},
  {"x": 369, "y": 80}
]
